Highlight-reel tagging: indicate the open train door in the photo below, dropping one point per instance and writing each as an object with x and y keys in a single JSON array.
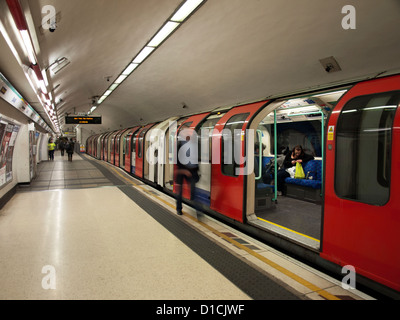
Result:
[
  {"x": 157, "y": 150},
  {"x": 228, "y": 173},
  {"x": 190, "y": 123},
  {"x": 361, "y": 213}
]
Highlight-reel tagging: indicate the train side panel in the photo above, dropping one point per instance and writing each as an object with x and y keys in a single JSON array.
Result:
[{"x": 362, "y": 218}]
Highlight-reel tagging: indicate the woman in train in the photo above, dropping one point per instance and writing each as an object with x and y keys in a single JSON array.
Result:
[{"x": 297, "y": 155}]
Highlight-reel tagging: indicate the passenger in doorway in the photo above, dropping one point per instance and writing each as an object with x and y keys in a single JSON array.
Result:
[
  {"x": 297, "y": 155},
  {"x": 187, "y": 169},
  {"x": 51, "y": 146},
  {"x": 69, "y": 147}
]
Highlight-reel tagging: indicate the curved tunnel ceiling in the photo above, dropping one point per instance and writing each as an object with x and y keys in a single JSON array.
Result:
[{"x": 228, "y": 52}]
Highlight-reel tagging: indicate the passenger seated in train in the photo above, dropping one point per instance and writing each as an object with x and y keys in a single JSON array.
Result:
[{"x": 297, "y": 155}]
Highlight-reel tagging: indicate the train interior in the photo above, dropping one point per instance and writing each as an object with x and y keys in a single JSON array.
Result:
[{"x": 297, "y": 214}]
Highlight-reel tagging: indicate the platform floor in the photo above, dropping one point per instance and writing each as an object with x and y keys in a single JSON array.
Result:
[{"x": 87, "y": 230}]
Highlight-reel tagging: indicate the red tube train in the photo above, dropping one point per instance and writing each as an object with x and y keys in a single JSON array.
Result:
[{"x": 345, "y": 212}]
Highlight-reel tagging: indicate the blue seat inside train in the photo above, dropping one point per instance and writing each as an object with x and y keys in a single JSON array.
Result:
[{"x": 312, "y": 168}]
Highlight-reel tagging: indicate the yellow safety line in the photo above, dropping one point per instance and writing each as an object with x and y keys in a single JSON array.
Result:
[
  {"x": 269, "y": 262},
  {"x": 282, "y": 227}
]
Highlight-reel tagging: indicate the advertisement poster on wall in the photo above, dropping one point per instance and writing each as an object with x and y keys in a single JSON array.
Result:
[
  {"x": 8, "y": 135},
  {"x": 6, "y": 130},
  {"x": 10, "y": 153}
]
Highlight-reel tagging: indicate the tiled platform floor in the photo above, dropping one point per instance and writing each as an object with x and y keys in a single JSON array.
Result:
[{"x": 62, "y": 174}]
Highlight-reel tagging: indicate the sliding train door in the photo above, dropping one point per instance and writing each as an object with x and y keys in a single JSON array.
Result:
[
  {"x": 361, "y": 214},
  {"x": 230, "y": 160},
  {"x": 139, "y": 158}
]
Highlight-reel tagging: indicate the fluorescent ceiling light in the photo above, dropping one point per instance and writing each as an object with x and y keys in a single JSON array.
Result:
[
  {"x": 120, "y": 79},
  {"x": 130, "y": 69},
  {"x": 43, "y": 86},
  {"x": 28, "y": 45},
  {"x": 143, "y": 54},
  {"x": 101, "y": 99},
  {"x": 44, "y": 75},
  {"x": 108, "y": 92},
  {"x": 113, "y": 86},
  {"x": 168, "y": 28},
  {"x": 186, "y": 10},
  {"x": 59, "y": 64}
]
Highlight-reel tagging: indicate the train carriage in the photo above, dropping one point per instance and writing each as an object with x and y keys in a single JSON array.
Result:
[{"x": 345, "y": 210}]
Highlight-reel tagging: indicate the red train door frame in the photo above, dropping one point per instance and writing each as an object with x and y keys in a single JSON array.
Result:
[
  {"x": 112, "y": 147},
  {"x": 128, "y": 149},
  {"x": 354, "y": 232},
  {"x": 115, "y": 147},
  {"x": 190, "y": 123},
  {"x": 228, "y": 191},
  {"x": 104, "y": 142},
  {"x": 140, "y": 151}
]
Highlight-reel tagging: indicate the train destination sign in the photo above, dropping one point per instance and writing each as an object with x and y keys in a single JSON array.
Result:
[{"x": 83, "y": 120}]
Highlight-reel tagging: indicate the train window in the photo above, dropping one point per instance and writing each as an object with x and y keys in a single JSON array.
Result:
[
  {"x": 134, "y": 141},
  {"x": 364, "y": 148},
  {"x": 205, "y": 133},
  {"x": 232, "y": 128},
  {"x": 304, "y": 133}
]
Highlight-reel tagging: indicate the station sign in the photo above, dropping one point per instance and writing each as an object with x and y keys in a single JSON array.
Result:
[{"x": 83, "y": 120}]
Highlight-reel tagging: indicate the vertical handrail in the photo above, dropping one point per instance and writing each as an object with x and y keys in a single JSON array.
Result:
[
  {"x": 276, "y": 162},
  {"x": 259, "y": 155}
]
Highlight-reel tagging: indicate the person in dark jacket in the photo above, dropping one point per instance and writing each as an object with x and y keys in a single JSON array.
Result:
[
  {"x": 187, "y": 166},
  {"x": 69, "y": 147},
  {"x": 61, "y": 146},
  {"x": 297, "y": 155}
]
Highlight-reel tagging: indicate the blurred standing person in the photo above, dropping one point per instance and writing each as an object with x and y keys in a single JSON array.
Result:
[
  {"x": 61, "y": 145},
  {"x": 187, "y": 163},
  {"x": 70, "y": 146},
  {"x": 51, "y": 147}
]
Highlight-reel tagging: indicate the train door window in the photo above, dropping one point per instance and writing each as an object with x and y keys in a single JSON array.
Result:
[
  {"x": 140, "y": 142},
  {"x": 364, "y": 148},
  {"x": 125, "y": 147},
  {"x": 205, "y": 133},
  {"x": 134, "y": 141},
  {"x": 172, "y": 135},
  {"x": 232, "y": 129}
]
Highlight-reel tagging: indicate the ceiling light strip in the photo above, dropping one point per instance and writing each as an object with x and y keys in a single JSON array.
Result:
[
  {"x": 40, "y": 78},
  {"x": 177, "y": 18},
  {"x": 186, "y": 10},
  {"x": 163, "y": 34}
]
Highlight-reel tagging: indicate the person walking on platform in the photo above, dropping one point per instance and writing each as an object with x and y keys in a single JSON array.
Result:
[
  {"x": 61, "y": 145},
  {"x": 187, "y": 163},
  {"x": 69, "y": 147},
  {"x": 51, "y": 146}
]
